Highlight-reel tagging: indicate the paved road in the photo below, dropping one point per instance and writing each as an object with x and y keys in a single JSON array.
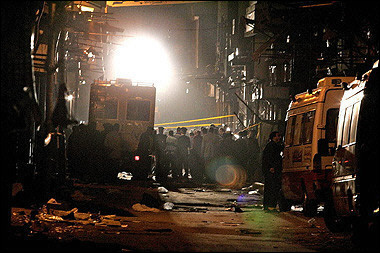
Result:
[{"x": 201, "y": 218}]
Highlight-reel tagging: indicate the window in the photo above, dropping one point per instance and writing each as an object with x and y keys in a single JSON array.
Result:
[
  {"x": 138, "y": 110},
  {"x": 307, "y": 127},
  {"x": 297, "y": 130},
  {"x": 346, "y": 125},
  {"x": 272, "y": 74},
  {"x": 290, "y": 131},
  {"x": 354, "y": 122},
  {"x": 286, "y": 72},
  {"x": 110, "y": 109},
  {"x": 331, "y": 124},
  {"x": 105, "y": 108}
]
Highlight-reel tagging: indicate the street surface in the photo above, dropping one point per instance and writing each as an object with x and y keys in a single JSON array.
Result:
[{"x": 133, "y": 216}]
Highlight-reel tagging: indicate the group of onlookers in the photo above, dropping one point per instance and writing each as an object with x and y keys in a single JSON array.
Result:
[
  {"x": 96, "y": 156},
  {"x": 183, "y": 155},
  {"x": 93, "y": 155}
]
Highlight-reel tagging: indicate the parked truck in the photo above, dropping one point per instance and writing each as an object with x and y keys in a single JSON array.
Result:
[{"x": 132, "y": 106}]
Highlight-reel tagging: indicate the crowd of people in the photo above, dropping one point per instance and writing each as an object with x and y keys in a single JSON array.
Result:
[
  {"x": 184, "y": 155},
  {"x": 93, "y": 155},
  {"x": 181, "y": 155},
  {"x": 97, "y": 156}
]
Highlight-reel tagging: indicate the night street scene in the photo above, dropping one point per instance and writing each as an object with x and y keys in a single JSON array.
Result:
[{"x": 190, "y": 126}]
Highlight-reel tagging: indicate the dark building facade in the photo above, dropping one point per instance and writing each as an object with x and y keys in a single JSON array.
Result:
[{"x": 268, "y": 51}]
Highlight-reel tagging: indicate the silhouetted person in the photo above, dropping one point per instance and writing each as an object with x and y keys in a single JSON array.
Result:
[
  {"x": 160, "y": 144},
  {"x": 145, "y": 149},
  {"x": 227, "y": 147},
  {"x": 74, "y": 152},
  {"x": 114, "y": 146},
  {"x": 210, "y": 144},
  {"x": 171, "y": 152},
  {"x": 242, "y": 150},
  {"x": 272, "y": 170},
  {"x": 183, "y": 146},
  {"x": 195, "y": 158},
  {"x": 253, "y": 163}
]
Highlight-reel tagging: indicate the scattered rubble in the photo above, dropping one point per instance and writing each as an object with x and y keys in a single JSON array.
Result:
[
  {"x": 143, "y": 208},
  {"x": 168, "y": 206}
]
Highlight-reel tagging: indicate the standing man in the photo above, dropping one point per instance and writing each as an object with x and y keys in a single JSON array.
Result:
[
  {"x": 114, "y": 146},
  {"x": 195, "y": 158},
  {"x": 253, "y": 171},
  {"x": 272, "y": 170},
  {"x": 145, "y": 149},
  {"x": 171, "y": 153},
  {"x": 183, "y": 146},
  {"x": 209, "y": 148},
  {"x": 160, "y": 144}
]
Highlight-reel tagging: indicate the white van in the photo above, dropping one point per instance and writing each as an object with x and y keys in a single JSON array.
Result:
[
  {"x": 354, "y": 197},
  {"x": 311, "y": 122}
]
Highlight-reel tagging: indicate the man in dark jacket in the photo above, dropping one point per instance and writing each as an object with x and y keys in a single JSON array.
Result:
[
  {"x": 145, "y": 149},
  {"x": 160, "y": 144},
  {"x": 183, "y": 146},
  {"x": 272, "y": 170}
]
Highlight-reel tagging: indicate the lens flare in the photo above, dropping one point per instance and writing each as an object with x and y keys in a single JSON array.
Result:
[{"x": 226, "y": 172}]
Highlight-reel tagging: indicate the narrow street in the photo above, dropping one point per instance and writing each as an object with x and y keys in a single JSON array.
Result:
[
  {"x": 174, "y": 217},
  {"x": 153, "y": 126}
]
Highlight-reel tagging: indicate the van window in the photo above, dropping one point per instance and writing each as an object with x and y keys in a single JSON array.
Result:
[
  {"x": 307, "y": 127},
  {"x": 297, "y": 130},
  {"x": 331, "y": 124},
  {"x": 110, "y": 109},
  {"x": 354, "y": 122},
  {"x": 290, "y": 131},
  {"x": 105, "y": 108},
  {"x": 138, "y": 110},
  {"x": 346, "y": 125}
]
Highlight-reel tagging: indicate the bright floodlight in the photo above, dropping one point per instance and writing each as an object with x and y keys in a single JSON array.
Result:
[{"x": 143, "y": 59}]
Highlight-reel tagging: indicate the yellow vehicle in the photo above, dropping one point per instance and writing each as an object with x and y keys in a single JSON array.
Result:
[
  {"x": 311, "y": 124},
  {"x": 131, "y": 106}
]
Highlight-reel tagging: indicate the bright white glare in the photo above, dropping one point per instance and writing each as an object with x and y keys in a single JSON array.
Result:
[
  {"x": 70, "y": 97},
  {"x": 143, "y": 59}
]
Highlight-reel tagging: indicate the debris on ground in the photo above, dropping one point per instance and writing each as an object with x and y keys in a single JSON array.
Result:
[
  {"x": 249, "y": 231},
  {"x": 162, "y": 189},
  {"x": 235, "y": 209},
  {"x": 143, "y": 208},
  {"x": 312, "y": 222},
  {"x": 168, "y": 206}
]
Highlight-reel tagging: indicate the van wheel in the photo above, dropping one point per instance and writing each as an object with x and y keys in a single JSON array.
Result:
[
  {"x": 310, "y": 206},
  {"x": 332, "y": 221}
]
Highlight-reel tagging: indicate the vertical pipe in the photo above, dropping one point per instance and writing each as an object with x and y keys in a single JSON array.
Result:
[
  {"x": 196, "y": 19},
  {"x": 50, "y": 62}
]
